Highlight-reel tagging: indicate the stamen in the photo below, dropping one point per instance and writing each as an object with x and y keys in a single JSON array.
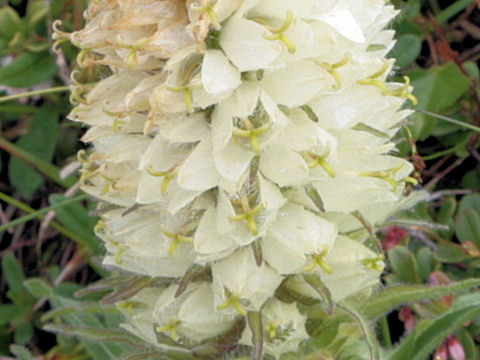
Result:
[
  {"x": 119, "y": 253},
  {"x": 387, "y": 175},
  {"x": 373, "y": 263}
]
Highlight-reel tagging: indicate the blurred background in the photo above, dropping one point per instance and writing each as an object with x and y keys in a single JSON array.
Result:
[{"x": 50, "y": 255}]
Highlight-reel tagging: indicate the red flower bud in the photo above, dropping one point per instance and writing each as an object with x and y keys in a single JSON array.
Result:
[{"x": 455, "y": 348}]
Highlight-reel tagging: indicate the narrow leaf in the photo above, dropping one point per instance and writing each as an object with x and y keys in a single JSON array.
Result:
[
  {"x": 392, "y": 297},
  {"x": 95, "y": 334},
  {"x": 369, "y": 334}
]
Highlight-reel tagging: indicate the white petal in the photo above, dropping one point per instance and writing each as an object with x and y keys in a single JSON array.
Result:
[
  {"x": 233, "y": 161},
  {"x": 218, "y": 75},
  {"x": 272, "y": 198},
  {"x": 344, "y": 22},
  {"x": 295, "y": 84},
  {"x": 244, "y": 44},
  {"x": 198, "y": 172},
  {"x": 208, "y": 242},
  {"x": 283, "y": 166}
]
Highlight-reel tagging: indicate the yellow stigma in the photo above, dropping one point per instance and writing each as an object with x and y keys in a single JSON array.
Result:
[
  {"x": 252, "y": 133},
  {"x": 331, "y": 68},
  {"x": 272, "y": 330},
  {"x": 249, "y": 215},
  {"x": 171, "y": 327},
  {"x": 234, "y": 301},
  {"x": 168, "y": 176},
  {"x": 134, "y": 48},
  {"x": 279, "y": 33},
  {"x": 318, "y": 260},
  {"x": 320, "y": 161},
  {"x": 401, "y": 92},
  {"x": 177, "y": 238},
  {"x": 188, "y": 95},
  {"x": 210, "y": 12}
]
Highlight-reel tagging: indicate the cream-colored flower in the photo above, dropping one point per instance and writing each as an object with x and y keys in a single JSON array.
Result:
[
  {"x": 236, "y": 144},
  {"x": 284, "y": 328}
]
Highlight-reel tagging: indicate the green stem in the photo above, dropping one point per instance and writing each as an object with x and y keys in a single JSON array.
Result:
[
  {"x": 451, "y": 120},
  {"x": 444, "y": 152},
  {"x": 35, "y": 92},
  {"x": 39, "y": 213},
  {"x": 42, "y": 166},
  {"x": 445, "y": 15},
  {"x": 55, "y": 225},
  {"x": 385, "y": 332},
  {"x": 434, "y": 5}
]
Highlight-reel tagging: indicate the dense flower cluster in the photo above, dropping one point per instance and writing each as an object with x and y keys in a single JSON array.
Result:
[{"x": 240, "y": 141}]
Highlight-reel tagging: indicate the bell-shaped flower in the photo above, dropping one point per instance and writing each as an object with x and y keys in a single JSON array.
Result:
[
  {"x": 295, "y": 235},
  {"x": 191, "y": 317},
  {"x": 241, "y": 285},
  {"x": 283, "y": 328},
  {"x": 348, "y": 268}
]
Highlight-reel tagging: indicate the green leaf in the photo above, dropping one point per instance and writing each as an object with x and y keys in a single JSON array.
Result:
[
  {"x": 97, "y": 350},
  {"x": 404, "y": 350},
  {"x": 468, "y": 343},
  {"x": 392, "y": 297},
  {"x": 426, "y": 263},
  {"x": 12, "y": 272},
  {"x": 467, "y": 226},
  {"x": 404, "y": 264},
  {"x": 24, "y": 332},
  {"x": 447, "y": 210},
  {"x": 37, "y": 287},
  {"x": 471, "y": 179},
  {"x": 37, "y": 11},
  {"x": 471, "y": 201},
  {"x": 406, "y": 50},
  {"x": 80, "y": 308},
  {"x": 28, "y": 69},
  {"x": 95, "y": 334},
  {"x": 77, "y": 219},
  {"x": 429, "y": 333},
  {"x": 437, "y": 89},
  {"x": 450, "y": 254},
  {"x": 8, "y": 312},
  {"x": 438, "y": 331},
  {"x": 21, "y": 352},
  {"x": 143, "y": 355},
  {"x": 10, "y": 23},
  {"x": 40, "y": 140},
  {"x": 365, "y": 326}
]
